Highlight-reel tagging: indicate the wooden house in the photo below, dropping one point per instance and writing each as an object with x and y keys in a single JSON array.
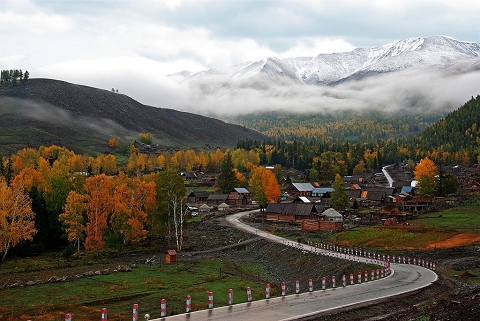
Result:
[
  {"x": 217, "y": 199},
  {"x": 290, "y": 212},
  {"x": 299, "y": 189},
  {"x": 197, "y": 197},
  {"x": 236, "y": 199}
]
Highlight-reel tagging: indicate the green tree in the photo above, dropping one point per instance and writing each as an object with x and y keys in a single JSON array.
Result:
[
  {"x": 447, "y": 183},
  {"x": 339, "y": 199},
  {"x": 227, "y": 179}
]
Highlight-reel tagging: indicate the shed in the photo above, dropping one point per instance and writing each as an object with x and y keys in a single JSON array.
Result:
[
  {"x": 204, "y": 208},
  {"x": 171, "y": 256}
]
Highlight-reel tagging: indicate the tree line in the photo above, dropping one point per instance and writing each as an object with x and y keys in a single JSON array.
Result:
[
  {"x": 52, "y": 198},
  {"x": 12, "y": 75}
]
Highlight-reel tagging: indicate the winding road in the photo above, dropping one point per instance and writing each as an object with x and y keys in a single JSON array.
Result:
[{"x": 404, "y": 278}]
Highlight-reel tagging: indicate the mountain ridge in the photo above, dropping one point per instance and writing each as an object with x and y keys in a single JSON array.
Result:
[
  {"x": 45, "y": 111},
  {"x": 330, "y": 69}
]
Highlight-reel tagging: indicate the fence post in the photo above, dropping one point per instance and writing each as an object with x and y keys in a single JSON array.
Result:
[
  {"x": 267, "y": 291},
  {"x": 324, "y": 283},
  {"x": 68, "y": 317},
  {"x": 210, "y": 300},
  {"x": 135, "y": 312},
  {"x": 230, "y": 296},
  {"x": 284, "y": 289},
  {"x": 188, "y": 304},
  {"x": 297, "y": 286},
  {"x": 344, "y": 280},
  {"x": 104, "y": 314},
  {"x": 334, "y": 282},
  {"x": 163, "y": 308},
  {"x": 310, "y": 285},
  {"x": 249, "y": 294}
]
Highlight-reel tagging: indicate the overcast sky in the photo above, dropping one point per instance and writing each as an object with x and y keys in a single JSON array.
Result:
[{"x": 131, "y": 45}]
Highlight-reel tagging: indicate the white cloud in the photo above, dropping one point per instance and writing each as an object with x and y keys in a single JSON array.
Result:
[{"x": 23, "y": 15}]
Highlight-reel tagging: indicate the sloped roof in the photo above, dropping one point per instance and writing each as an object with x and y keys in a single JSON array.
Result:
[
  {"x": 331, "y": 213},
  {"x": 241, "y": 190},
  {"x": 303, "y": 209},
  {"x": 218, "y": 197},
  {"x": 303, "y": 187},
  {"x": 199, "y": 194},
  {"x": 322, "y": 190}
]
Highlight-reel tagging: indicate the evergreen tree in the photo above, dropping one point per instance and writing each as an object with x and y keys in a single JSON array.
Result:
[
  {"x": 339, "y": 199},
  {"x": 227, "y": 179}
]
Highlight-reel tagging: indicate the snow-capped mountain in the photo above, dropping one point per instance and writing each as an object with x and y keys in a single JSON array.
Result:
[{"x": 330, "y": 69}]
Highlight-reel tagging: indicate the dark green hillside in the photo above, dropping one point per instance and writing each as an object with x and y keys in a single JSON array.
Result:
[
  {"x": 459, "y": 131},
  {"x": 45, "y": 112}
]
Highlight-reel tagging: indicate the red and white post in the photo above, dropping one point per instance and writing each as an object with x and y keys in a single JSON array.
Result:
[
  {"x": 284, "y": 289},
  {"x": 210, "y": 300},
  {"x": 344, "y": 280},
  {"x": 334, "y": 281},
  {"x": 249, "y": 294},
  {"x": 359, "y": 277},
  {"x": 324, "y": 283},
  {"x": 163, "y": 308},
  {"x": 297, "y": 286},
  {"x": 68, "y": 317},
  {"x": 104, "y": 314},
  {"x": 230, "y": 296},
  {"x": 373, "y": 275},
  {"x": 135, "y": 312},
  {"x": 366, "y": 276},
  {"x": 310, "y": 285},
  {"x": 351, "y": 279},
  {"x": 188, "y": 304},
  {"x": 267, "y": 291}
]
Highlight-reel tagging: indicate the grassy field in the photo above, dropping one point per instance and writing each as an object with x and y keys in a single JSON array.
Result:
[
  {"x": 449, "y": 228},
  {"x": 466, "y": 219},
  {"x": 146, "y": 286}
]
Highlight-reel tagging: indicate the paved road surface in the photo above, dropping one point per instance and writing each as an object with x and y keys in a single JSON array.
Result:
[{"x": 404, "y": 278}]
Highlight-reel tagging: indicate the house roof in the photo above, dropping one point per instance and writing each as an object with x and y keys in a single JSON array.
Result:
[
  {"x": 199, "y": 194},
  {"x": 407, "y": 189},
  {"x": 303, "y": 209},
  {"x": 217, "y": 197},
  {"x": 354, "y": 193},
  {"x": 322, "y": 190},
  {"x": 241, "y": 190},
  {"x": 303, "y": 187}
]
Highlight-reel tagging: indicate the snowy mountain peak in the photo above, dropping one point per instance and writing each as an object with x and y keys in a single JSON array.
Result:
[{"x": 329, "y": 69}]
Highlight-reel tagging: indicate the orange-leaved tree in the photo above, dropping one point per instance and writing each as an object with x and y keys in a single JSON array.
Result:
[
  {"x": 16, "y": 216},
  {"x": 131, "y": 204},
  {"x": 425, "y": 173},
  {"x": 100, "y": 206},
  {"x": 264, "y": 186},
  {"x": 73, "y": 217}
]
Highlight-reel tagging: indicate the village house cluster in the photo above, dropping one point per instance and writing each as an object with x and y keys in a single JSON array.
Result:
[{"x": 390, "y": 197}]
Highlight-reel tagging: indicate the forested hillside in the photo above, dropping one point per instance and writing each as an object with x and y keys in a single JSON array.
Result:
[
  {"x": 458, "y": 132},
  {"x": 339, "y": 127}
]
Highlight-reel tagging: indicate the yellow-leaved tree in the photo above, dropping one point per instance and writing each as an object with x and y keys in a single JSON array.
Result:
[
  {"x": 425, "y": 173},
  {"x": 73, "y": 217},
  {"x": 16, "y": 216}
]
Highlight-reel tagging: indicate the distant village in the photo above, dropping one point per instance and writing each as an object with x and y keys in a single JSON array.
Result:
[{"x": 389, "y": 197}]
